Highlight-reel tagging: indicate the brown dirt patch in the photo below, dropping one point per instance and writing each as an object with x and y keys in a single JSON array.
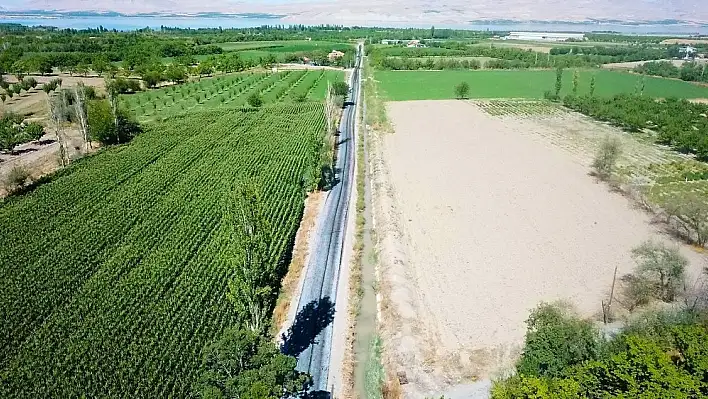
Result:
[
  {"x": 34, "y": 102},
  {"x": 685, "y": 41},
  {"x": 486, "y": 217},
  {"x": 633, "y": 64}
]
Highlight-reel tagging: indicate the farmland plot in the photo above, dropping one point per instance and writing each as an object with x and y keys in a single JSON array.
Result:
[
  {"x": 231, "y": 91},
  {"x": 115, "y": 274},
  {"x": 494, "y": 212}
]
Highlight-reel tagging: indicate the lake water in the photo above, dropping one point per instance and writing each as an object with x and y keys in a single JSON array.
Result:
[{"x": 132, "y": 23}]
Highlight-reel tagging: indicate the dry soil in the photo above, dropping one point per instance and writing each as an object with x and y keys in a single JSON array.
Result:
[{"x": 481, "y": 218}]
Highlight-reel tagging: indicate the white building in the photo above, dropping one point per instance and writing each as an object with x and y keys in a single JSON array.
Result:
[
  {"x": 545, "y": 36},
  {"x": 688, "y": 51}
]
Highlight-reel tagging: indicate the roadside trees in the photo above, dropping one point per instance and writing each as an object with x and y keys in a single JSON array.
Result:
[
  {"x": 462, "y": 90},
  {"x": 340, "y": 87}
]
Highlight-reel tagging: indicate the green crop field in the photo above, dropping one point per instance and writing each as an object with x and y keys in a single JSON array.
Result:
[
  {"x": 114, "y": 274},
  {"x": 231, "y": 91},
  {"x": 435, "y": 85}
]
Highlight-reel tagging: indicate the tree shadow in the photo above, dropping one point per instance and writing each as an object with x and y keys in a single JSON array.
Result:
[{"x": 309, "y": 322}]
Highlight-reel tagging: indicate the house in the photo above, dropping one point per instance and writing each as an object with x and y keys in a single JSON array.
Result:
[
  {"x": 391, "y": 41},
  {"x": 688, "y": 51},
  {"x": 335, "y": 54},
  {"x": 545, "y": 36},
  {"x": 414, "y": 43}
]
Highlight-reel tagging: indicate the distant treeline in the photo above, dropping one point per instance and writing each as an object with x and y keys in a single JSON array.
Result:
[
  {"x": 679, "y": 123},
  {"x": 622, "y": 53},
  {"x": 403, "y": 58},
  {"x": 689, "y": 71}
]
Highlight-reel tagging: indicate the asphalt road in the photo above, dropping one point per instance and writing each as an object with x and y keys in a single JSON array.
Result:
[{"x": 315, "y": 311}]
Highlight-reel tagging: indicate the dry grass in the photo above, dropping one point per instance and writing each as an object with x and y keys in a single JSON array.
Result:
[{"x": 297, "y": 264}]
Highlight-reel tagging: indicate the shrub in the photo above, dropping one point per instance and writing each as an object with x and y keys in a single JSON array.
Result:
[
  {"x": 555, "y": 340},
  {"x": 462, "y": 90},
  {"x": 255, "y": 100},
  {"x": 659, "y": 273},
  {"x": 34, "y": 131},
  {"x": 102, "y": 124},
  {"x": 606, "y": 158},
  {"x": 16, "y": 178},
  {"x": 340, "y": 88}
]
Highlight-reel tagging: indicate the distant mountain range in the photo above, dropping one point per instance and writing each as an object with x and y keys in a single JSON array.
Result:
[{"x": 371, "y": 12}]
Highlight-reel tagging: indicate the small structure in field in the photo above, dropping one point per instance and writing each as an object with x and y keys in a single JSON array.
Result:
[
  {"x": 334, "y": 55},
  {"x": 545, "y": 36},
  {"x": 391, "y": 41},
  {"x": 688, "y": 52},
  {"x": 414, "y": 43}
]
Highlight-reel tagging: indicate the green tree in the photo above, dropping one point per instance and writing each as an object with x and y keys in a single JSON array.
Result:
[
  {"x": 245, "y": 364},
  {"x": 592, "y": 85},
  {"x": 559, "y": 81},
  {"x": 575, "y": 82},
  {"x": 100, "y": 64},
  {"x": 255, "y": 100},
  {"x": 555, "y": 340},
  {"x": 663, "y": 267},
  {"x": 108, "y": 128},
  {"x": 82, "y": 69},
  {"x": 340, "y": 87},
  {"x": 255, "y": 269},
  {"x": 462, "y": 90}
]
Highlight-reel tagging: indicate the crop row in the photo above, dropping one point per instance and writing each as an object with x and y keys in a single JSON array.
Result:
[
  {"x": 230, "y": 90},
  {"x": 117, "y": 293}
]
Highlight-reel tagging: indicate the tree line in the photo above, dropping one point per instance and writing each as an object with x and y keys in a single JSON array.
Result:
[
  {"x": 403, "y": 58},
  {"x": 688, "y": 71},
  {"x": 678, "y": 122}
]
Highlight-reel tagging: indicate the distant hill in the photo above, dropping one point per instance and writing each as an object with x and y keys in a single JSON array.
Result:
[{"x": 369, "y": 12}]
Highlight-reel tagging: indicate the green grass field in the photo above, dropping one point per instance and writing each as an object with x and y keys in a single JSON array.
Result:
[{"x": 437, "y": 85}]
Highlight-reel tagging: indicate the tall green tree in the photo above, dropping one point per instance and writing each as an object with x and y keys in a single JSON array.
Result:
[
  {"x": 592, "y": 85},
  {"x": 559, "y": 81},
  {"x": 575, "y": 82},
  {"x": 244, "y": 364},
  {"x": 252, "y": 288}
]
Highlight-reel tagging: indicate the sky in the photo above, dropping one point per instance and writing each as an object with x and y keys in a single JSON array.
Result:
[{"x": 414, "y": 11}]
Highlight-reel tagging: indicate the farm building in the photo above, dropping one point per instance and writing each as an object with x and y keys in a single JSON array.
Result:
[
  {"x": 391, "y": 41},
  {"x": 545, "y": 36},
  {"x": 335, "y": 54}
]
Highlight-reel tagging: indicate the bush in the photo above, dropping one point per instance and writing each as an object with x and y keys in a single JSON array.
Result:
[
  {"x": 462, "y": 90},
  {"x": 16, "y": 178},
  {"x": 34, "y": 131},
  {"x": 340, "y": 88},
  {"x": 659, "y": 274},
  {"x": 690, "y": 212},
  {"x": 102, "y": 124},
  {"x": 255, "y": 100},
  {"x": 246, "y": 364},
  {"x": 606, "y": 158},
  {"x": 549, "y": 95},
  {"x": 660, "y": 360},
  {"x": 555, "y": 340}
]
